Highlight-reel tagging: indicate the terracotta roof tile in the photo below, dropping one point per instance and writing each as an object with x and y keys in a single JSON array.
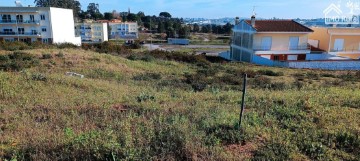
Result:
[{"x": 279, "y": 26}]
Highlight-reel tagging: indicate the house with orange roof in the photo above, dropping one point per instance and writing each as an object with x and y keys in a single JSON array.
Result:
[{"x": 278, "y": 40}]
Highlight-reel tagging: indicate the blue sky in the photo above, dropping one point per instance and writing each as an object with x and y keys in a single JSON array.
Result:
[{"x": 213, "y": 8}]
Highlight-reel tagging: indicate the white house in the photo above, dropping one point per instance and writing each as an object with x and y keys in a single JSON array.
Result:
[
  {"x": 92, "y": 32},
  {"x": 30, "y": 24},
  {"x": 123, "y": 30}
]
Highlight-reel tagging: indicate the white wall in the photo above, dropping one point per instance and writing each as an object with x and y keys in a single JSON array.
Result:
[
  {"x": 105, "y": 32},
  {"x": 62, "y": 25}
]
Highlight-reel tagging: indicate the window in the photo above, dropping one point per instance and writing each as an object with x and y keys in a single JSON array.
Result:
[
  {"x": 6, "y": 18},
  {"x": 9, "y": 39},
  {"x": 43, "y": 29},
  {"x": 42, "y": 17},
  {"x": 19, "y": 18},
  {"x": 339, "y": 45},
  {"x": 21, "y": 31},
  {"x": 32, "y": 18},
  {"x": 294, "y": 43},
  {"x": 33, "y": 32},
  {"x": 45, "y": 41},
  {"x": 276, "y": 57},
  {"x": 266, "y": 43}
]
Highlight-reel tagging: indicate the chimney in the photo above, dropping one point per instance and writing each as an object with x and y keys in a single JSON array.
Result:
[
  {"x": 253, "y": 21},
  {"x": 237, "y": 20}
]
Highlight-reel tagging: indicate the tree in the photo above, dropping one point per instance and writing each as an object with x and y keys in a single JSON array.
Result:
[
  {"x": 161, "y": 27},
  {"x": 75, "y": 5},
  {"x": 184, "y": 32},
  {"x": 132, "y": 17},
  {"x": 165, "y": 14},
  {"x": 196, "y": 28},
  {"x": 141, "y": 14},
  {"x": 108, "y": 16},
  {"x": 93, "y": 11}
]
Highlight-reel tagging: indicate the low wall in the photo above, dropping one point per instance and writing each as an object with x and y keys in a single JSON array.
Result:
[
  {"x": 322, "y": 56},
  {"x": 264, "y": 61},
  {"x": 326, "y": 65}
]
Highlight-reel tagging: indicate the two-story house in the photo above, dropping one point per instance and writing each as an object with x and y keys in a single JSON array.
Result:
[
  {"x": 30, "y": 24},
  {"x": 337, "y": 41},
  {"x": 92, "y": 32},
  {"x": 280, "y": 40}
]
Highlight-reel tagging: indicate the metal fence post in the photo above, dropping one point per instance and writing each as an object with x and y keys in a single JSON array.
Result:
[{"x": 243, "y": 100}]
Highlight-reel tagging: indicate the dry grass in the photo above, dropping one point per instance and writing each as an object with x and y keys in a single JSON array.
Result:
[{"x": 110, "y": 115}]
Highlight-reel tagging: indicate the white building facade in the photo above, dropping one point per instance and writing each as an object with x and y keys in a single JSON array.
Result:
[
  {"x": 124, "y": 30},
  {"x": 92, "y": 32},
  {"x": 45, "y": 24}
]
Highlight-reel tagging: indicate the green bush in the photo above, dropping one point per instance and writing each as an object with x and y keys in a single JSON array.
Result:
[
  {"x": 39, "y": 77},
  {"x": 143, "y": 97},
  {"x": 66, "y": 45},
  {"x": 147, "y": 58},
  {"x": 60, "y": 55},
  {"x": 270, "y": 73},
  {"x": 47, "y": 56},
  {"x": 275, "y": 150},
  {"x": 147, "y": 77},
  {"x": 12, "y": 46},
  {"x": 17, "y": 61}
]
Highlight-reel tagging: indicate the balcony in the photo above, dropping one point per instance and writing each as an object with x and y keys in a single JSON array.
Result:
[
  {"x": 19, "y": 22},
  {"x": 289, "y": 48},
  {"x": 347, "y": 50},
  {"x": 20, "y": 34}
]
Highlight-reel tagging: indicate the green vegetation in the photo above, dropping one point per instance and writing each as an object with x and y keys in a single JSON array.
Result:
[{"x": 170, "y": 106}]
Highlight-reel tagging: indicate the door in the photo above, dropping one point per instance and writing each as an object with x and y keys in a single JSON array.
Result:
[
  {"x": 339, "y": 45},
  {"x": 266, "y": 43},
  {"x": 294, "y": 43}
]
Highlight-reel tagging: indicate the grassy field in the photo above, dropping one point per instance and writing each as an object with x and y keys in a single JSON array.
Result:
[{"x": 168, "y": 106}]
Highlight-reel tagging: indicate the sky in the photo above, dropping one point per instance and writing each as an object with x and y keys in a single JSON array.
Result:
[{"x": 284, "y": 9}]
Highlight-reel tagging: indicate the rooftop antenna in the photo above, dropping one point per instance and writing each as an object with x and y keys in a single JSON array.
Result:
[
  {"x": 253, "y": 12},
  {"x": 18, "y": 4}
]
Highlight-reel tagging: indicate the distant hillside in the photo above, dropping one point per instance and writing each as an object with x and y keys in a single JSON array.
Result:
[{"x": 170, "y": 106}]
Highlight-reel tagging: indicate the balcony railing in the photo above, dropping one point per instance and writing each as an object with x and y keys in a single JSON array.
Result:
[
  {"x": 346, "y": 50},
  {"x": 289, "y": 48},
  {"x": 19, "y": 22},
  {"x": 20, "y": 33}
]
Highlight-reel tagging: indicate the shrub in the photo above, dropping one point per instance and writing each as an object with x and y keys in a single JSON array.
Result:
[
  {"x": 261, "y": 82},
  {"x": 39, "y": 77},
  {"x": 270, "y": 73},
  {"x": 179, "y": 56},
  {"x": 104, "y": 74},
  {"x": 66, "y": 45},
  {"x": 274, "y": 150},
  {"x": 47, "y": 56},
  {"x": 133, "y": 57},
  {"x": 147, "y": 58},
  {"x": 147, "y": 77},
  {"x": 328, "y": 75},
  {"x": 60, "y": 55},
  {"x": 226, "y": 134},
  {"x": 12, "y": 46},
  {"x": 143, "y": 97},
  {"x": 199, "y": 87},
  {"x": 312, "y": 75},
  {"x": 17, "y": 61}
]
